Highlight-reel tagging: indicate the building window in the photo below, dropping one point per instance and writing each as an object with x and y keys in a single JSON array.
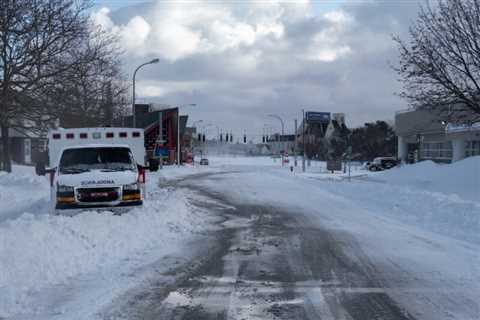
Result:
[
  {"x": 436, "y": 151},
  {"x": 472, "y": 148}
]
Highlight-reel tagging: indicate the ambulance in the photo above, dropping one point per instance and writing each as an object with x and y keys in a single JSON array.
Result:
[{"x": 96, "y": 169}]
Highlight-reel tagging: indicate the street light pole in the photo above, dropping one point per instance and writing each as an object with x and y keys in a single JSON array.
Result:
[
  {"x": 156, "y": 60},
  {"x": 283, "y": 135}
]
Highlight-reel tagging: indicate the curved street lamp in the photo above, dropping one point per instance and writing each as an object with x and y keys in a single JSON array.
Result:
[{"x": 156, "y": 60}]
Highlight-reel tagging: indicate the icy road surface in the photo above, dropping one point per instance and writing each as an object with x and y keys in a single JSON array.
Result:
[{"x": 293, "y": 248}]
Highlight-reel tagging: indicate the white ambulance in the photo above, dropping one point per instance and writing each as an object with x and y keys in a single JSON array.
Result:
[{"x": 96, "y": 168}]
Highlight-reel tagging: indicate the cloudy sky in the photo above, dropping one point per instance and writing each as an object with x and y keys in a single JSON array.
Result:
[{"x": 239, "y": 61}]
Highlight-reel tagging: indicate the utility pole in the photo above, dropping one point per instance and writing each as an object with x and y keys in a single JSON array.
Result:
[
  {"x": 295, "y": 147},
  {"x": 303, "y": 138}
]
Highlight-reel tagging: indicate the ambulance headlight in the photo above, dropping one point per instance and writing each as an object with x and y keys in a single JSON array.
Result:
[
  {"x": 133, "y": 186},
  {"x": 63, "y": 188}
]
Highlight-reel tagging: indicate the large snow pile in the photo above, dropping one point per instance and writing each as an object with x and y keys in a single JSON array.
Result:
[
  {"x": 461, "y": 178},
  {"x": 440, "y": 198},
  {"x": 22, "y": 191},
  {"x": 38, "y": 251}
]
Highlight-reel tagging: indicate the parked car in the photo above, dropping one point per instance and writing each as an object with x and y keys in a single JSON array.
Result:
[
  {"x": 382, "y": 163},
  {"x": 204, "y": 162}
]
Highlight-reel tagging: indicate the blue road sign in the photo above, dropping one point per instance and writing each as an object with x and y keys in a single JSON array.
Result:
[{"x": 323, "y": 117}]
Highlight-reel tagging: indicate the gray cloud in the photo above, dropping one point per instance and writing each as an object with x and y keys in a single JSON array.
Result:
[{"x": 239, "y": 62}]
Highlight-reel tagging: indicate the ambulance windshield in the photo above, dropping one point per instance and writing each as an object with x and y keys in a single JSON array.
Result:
[{"x": 104, "y": 159}]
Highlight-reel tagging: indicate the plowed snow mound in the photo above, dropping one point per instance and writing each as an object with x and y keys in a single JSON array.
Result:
[{"x": 461, "y": 178}]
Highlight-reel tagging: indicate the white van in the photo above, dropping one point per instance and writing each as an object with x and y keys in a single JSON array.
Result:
[{"x": 96, "y": 168}]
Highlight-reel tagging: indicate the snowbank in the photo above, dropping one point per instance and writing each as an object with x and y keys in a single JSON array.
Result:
[
  {"x": 22, "y": 191},
  {"x": 440, "y": 198},
  {"x": 38, "y": 251},
  {"x": 461, "y": 178}
]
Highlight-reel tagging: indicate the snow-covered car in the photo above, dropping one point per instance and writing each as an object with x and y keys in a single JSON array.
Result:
[
  {"x": 88, "y": 175},
  {"x": 204, "y": 162},
  {"x": 382, "y": 163}
]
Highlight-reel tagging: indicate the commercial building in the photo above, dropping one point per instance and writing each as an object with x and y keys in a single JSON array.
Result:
[
  {"x": 155, "y": 119},
  {"x": 426, "y": 135}
]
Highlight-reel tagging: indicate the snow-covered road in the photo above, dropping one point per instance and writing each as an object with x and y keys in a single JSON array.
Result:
[
  {"x": 247, "y": 239},
  {"x": 266, "y": 262},
  {"x": 309, "y": 246}
]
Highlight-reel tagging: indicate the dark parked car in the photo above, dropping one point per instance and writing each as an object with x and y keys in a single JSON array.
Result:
[
  {"x": 382, "y": 163},
  {"x": 204, "y": 162}
]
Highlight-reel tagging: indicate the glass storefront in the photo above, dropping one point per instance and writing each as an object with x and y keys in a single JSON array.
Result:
[
  {"x": 440, "y": 151},
  {"x": 472, "y": 148}
]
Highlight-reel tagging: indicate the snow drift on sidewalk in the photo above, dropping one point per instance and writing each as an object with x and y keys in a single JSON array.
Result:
[
  {"x": 441, "y": 198},
  {"x": 22, "y": 191},
  {"x": 39, "y": 251},
  {"x": 461, "y": 178}
]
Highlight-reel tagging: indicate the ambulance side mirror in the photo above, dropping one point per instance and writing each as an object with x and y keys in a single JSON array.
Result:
[
  {"x": 40, "y": 169},
  {"x": 153, "y": 165}
]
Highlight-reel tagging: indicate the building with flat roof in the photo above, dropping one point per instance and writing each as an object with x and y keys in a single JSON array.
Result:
[
  {"x": 426, "y": 135},
  {"x": 154, "y": 119}
]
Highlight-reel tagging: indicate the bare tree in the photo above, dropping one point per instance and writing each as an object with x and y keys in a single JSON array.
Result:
[
  {"x": 440, "y": 63},
  {"x": 34, "y": 36},
  {"x": 94, "y": 91}
]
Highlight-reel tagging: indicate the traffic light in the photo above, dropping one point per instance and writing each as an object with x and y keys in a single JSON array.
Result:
[
  {"x": 221, "y": 137},
  {"x": 263, "y": 139},
  {"x": 199, "y": 137},
  {"x": 204, "y": 137},
  {"x": 244, "y": 138}
]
